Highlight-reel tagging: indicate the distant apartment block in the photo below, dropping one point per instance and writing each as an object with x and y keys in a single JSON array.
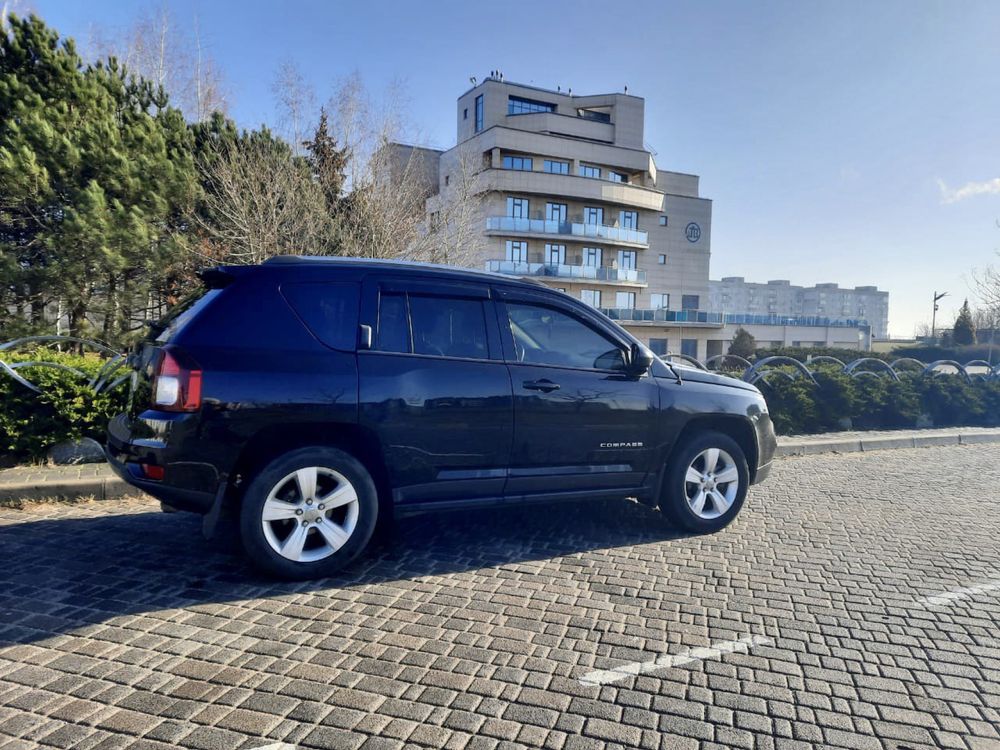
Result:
[
  {"x": 573, "y": 197},
  {"x": 781, "y": 298}
]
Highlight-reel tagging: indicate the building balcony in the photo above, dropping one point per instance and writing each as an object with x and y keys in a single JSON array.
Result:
[
  {"x": 583, "y": 189},
  {"x": 591, "y": 274},
  {"x": 696, "y": 318},
  {"x": 544, "y": 229}
]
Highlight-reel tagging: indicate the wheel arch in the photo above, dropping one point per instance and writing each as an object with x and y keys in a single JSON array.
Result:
[
  {"x": 275, "y": 440},
  {"x": 736, "y": 427}
]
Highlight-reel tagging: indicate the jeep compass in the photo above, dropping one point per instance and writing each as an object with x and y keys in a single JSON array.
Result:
[{"x": 312, "y": 396}]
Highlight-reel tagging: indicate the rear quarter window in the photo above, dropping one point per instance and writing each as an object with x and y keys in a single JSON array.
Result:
[
  {"x": 328, "y": 309},
  {"x": 183, "y": 313}
]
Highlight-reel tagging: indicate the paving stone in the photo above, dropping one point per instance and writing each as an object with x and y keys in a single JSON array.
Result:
[{"x": 474, "y": 629}]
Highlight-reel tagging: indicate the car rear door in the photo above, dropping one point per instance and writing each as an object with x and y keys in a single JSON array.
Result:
[
  {"x": 434, "y": 388},
  {"x": 581, "y": 423}
]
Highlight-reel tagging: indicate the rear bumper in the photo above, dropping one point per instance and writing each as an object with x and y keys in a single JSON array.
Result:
[{"x": 187, "y": 485}]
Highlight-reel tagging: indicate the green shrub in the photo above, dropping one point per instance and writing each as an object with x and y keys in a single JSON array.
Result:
[
  {"x": 803, "y": 353},
  {"x": 66, "y": 409},
  {"x": 877, "y": 403}
]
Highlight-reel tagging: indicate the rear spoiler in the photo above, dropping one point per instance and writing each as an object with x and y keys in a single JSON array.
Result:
[{"x": 220, "y": 277}]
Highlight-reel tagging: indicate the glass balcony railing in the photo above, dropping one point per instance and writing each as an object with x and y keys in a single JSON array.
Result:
[
  {"x": 721, "y": 318},
  {"x": 638, "y": 315},
  {"x": 543, "y": 226},
  {"x": 594, "y": 273}
]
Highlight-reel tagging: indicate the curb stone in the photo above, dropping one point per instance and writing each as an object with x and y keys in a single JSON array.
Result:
[
  {"x": 110, "y": 487},
  {"x": 914, "y": 439}
]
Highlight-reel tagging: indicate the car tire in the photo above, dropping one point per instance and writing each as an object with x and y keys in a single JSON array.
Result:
[
  {"x": 704, "y": 498},
  {"x": 308, "y": 513}
]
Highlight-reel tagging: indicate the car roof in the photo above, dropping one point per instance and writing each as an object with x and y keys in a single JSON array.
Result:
[{"x": 385, "y": 264}]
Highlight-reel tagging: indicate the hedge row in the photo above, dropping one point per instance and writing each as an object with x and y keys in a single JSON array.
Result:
[
  {"x": 66, "y": 409},
  {"x": 839, "y": 402}
]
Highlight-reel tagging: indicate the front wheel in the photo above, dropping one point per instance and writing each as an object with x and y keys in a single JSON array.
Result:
[
  {"x": 706, "y": 482},
  {"x": 308, "y": 513}
]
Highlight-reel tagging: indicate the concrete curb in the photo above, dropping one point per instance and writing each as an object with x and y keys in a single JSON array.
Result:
[
  {"x": 111, "y": 487},
  {"x": 102, "y": 488},
  {"x": 810, "y": 447}
]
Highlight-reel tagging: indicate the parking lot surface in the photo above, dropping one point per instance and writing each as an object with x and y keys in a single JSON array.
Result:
[{"x": 854, "y": 604}]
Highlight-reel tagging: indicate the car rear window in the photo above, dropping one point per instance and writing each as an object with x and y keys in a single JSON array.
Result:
[
  {"x": 328, "y": 309},
  {"x": 181, "y": 314}
]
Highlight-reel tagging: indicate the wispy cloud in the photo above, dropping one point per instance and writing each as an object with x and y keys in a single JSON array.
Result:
[{"x": 969, "y": 189}]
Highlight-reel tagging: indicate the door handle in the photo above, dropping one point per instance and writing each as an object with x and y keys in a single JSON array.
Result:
[{"x": 543, "y": 385}]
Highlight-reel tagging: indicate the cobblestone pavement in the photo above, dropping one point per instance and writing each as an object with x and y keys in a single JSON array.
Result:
[{"x": 120, "y": 627}]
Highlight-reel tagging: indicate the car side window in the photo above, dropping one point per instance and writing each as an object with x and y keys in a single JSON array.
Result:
[
  {"x": 448, "y": 327},
  {"x": 393, "y": 324},
  {"x": 544, "y": 336},
  {"x": 329, "y": 310}
]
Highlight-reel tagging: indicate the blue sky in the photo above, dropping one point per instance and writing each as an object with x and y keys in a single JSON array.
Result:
[{"x": 853, "y": 142}]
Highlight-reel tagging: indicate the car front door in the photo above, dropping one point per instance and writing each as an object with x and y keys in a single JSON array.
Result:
[
  {"x": 434, "y": 389},
  {"x": 582, "y": 423}
]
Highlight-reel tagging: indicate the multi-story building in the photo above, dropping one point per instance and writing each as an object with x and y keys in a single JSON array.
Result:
[
  {"x": 569, "y": 193},
  {"x": 780, "y": 298}
]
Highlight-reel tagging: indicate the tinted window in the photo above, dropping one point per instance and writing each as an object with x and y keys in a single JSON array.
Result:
[
  {"x": 393, "y": 326},
  {"x": 544, "y": 336},
  {"x": 181, "y": 314},
  {"x": 329, "y": 310},
  {"x": 448, "y": 327}
]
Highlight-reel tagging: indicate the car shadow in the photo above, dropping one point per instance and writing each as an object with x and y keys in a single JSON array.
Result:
[{"x": 59, "y": 575}]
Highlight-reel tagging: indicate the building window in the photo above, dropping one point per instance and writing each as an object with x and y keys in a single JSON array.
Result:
[
  {"x": 617, "y": 176},
  {"x": 589, "y": 114},
  {"x": 591, "y": 296},
  {"x": 689, "y": 302},
  {"x": 625, "y": 300},
  {"x": 555, "y": 212},
  {"x": 479, "y": 113},
  {"x": 447, "y": 179},
  {"x": 555, "y": 255},
  {"x": 689, "y": 347},
  {"x": 658, "y": 346},
  {"x": 659, "y": 301},
  {"x": 517, "y": 252},
  {"x": 521, "y": 163},
  {"x": 629, "y": 219},
  {"x": 662, "y": 260},
  {"x": 586, "y": 170},
  {"x": 517, "y": 105},
  {"x": 592, "y": 257},
  {"x": 663, "y": 221},
  {"x": 517, "y": 208},
  {"x": 556, "y": 167},
  {"x": 465, "y": 113},
  {"x": 592, "y": 215},
  {"x": 626, "y": 259}
]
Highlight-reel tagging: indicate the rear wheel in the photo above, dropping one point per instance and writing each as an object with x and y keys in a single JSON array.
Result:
[
  {"x": 308, "y": 513},
  {"x": 706, "y": 483}
]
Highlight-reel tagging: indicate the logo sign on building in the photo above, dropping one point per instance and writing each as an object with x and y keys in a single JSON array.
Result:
[{"x": 693, "y": 232}]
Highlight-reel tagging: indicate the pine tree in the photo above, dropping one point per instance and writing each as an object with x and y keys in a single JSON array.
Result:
[
  {"x": 327, "y": 162},
  {"x": 964, "y": 332},
  {"x": 743, "y": 344},
  {"x": 96, "y": 177}
]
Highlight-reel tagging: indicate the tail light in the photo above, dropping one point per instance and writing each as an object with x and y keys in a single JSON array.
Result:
[{"x": 176, "y": 382}]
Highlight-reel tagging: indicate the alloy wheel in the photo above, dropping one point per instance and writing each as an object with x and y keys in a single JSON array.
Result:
[
  {"x": 711, "y": 483},
  {"x": 310, "y": 514}
]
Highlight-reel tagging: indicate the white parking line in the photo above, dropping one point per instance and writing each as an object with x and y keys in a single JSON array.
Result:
[
  {"x": 938, "y": 600},
  {"x": 715, "y": 651}
]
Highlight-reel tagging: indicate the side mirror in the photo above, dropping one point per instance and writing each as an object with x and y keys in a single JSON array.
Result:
[{"x": 639, "y": 361}]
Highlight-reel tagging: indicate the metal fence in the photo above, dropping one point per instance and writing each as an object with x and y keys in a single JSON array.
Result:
[{"x": 106, "y": 378}]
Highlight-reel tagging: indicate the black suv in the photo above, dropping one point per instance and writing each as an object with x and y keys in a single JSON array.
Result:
[{"x": 315, "y": 395}]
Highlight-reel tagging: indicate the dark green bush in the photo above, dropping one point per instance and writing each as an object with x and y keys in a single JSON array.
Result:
[
  {"x": 66, "y": 409},
  {"x": 874, "y": 403}
]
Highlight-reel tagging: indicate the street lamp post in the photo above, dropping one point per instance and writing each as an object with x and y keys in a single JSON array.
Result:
[{"x": 934, "y": 314}]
